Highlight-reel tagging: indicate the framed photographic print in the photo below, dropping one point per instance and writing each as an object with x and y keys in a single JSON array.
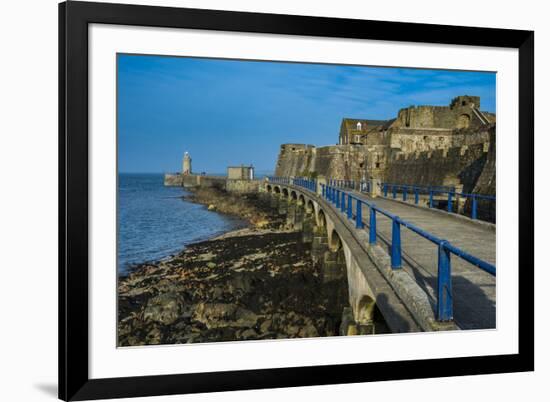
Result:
[{"x": 257, "y": 200}]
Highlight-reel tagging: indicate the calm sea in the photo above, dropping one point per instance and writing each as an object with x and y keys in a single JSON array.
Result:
[{"x": 154, "y": 222}]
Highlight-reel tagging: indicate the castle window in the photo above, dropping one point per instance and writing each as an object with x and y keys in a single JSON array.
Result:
[
  {"x": 377, "y": 165},
  {"x": 356, "y": 138},
  {"x": 463, "y": 103}
]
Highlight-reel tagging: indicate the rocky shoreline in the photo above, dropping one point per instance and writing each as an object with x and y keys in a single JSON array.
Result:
[{"x": 254, "y": 283}]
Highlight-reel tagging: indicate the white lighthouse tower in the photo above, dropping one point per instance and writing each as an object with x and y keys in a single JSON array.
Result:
[{"x": 186, "y": 164}]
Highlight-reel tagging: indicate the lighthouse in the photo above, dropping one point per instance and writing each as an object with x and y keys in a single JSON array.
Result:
[{"x": 186, "y": 164}]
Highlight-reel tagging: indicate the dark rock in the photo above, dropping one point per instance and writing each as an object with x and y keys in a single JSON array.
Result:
[{"x": 164, "y": 308}]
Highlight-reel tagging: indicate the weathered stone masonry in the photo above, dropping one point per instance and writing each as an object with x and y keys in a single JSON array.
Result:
[{"x": 424, "y": 145}]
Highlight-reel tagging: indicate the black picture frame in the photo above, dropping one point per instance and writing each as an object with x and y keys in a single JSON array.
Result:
[{"x": 74, "y": 18}]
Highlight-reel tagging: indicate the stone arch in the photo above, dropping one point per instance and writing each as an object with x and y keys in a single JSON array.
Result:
[
  {"x": 301, "y": 200},
  {"x": 285, "y": 192},
  {"x": 334, "y": 241},
  {"x": 310, "y": 207},
  {"x": 321, "y": 220},
  {"x": 269, "y": 188},
  {"x": 463, "y": 121},
  {"x": 364, "y": 310},
  {"x": 293, "y": 196},
  {"x": 277, "y": 190}
]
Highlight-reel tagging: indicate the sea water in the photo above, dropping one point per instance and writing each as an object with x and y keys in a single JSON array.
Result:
[{"x": 155, "y": 222}]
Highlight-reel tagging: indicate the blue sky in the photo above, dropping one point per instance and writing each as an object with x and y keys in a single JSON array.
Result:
[{"x": 228, "y": 112}]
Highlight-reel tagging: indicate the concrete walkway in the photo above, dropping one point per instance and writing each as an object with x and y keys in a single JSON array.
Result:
[{"x": 474, "y": 290}]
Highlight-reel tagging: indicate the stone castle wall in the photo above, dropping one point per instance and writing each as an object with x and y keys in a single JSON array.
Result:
[
  {"x": 339, "y": 161},
  {"x": 462, "y": 158},
  {"x": 294, "y": 159},
  {"x": 353, "y": 162},
  {"x": 455, "y": 166},
  {"x": 486, "y": 184},
  {"x": 459, "y": 114}
]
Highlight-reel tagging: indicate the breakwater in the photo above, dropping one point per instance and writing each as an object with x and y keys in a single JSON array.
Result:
[{"x": 242, "y": 186}]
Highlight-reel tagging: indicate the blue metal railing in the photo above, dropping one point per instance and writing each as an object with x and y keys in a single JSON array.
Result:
[
  {"x": 343, "y": 201},
  {"x": 362, "y": 185},
  {"x": 310, "y": 184},
  {"x": 432, "y": 191},
  {"x": 445, "y": 249},
  {"x": 280, "y": 180}
]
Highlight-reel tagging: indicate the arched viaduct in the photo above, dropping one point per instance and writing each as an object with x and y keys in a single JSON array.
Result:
[{"x": 372, "y": 284}]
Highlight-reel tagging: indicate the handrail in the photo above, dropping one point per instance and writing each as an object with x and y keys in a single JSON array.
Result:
[
  {"x": 343, "y": 201},
  {"x": 433, "y": 190}
]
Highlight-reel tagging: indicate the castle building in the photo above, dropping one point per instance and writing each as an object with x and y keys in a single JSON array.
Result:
[
  {"x": 355, "y": 131},
  {"x": 423, "y": 145},
  {"x": 186, "y": 165}
]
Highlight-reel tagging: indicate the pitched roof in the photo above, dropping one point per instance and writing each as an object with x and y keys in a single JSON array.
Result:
[{"x": 352, "y": 123}]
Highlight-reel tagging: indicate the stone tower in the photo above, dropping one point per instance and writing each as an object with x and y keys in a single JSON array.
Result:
[{"x": 186, "y": 164}]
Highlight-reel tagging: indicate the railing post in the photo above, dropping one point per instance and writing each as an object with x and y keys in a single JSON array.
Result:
[
  {"x": 372, "y": 225},
  {"x": 396, "y": 244},
  {"x": 450, "y": 202},
  {"x": 405, "y": 193},
  {"x": 431, "y": 199},
  {"x": 322, "y": 191},
  {"x": 343, "y": 203},
  {"x": 337, "y": 199},
  {"x": 474, "y": 207},
  {"x": 359, "y": 215},
  {"x": 444, "y": 284},
  {"x": 350, "y": 202},
  {"x": 415, "y": 195},
  {"x": 385, "y": 189},
  {"x": 394, "y": 188}
]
